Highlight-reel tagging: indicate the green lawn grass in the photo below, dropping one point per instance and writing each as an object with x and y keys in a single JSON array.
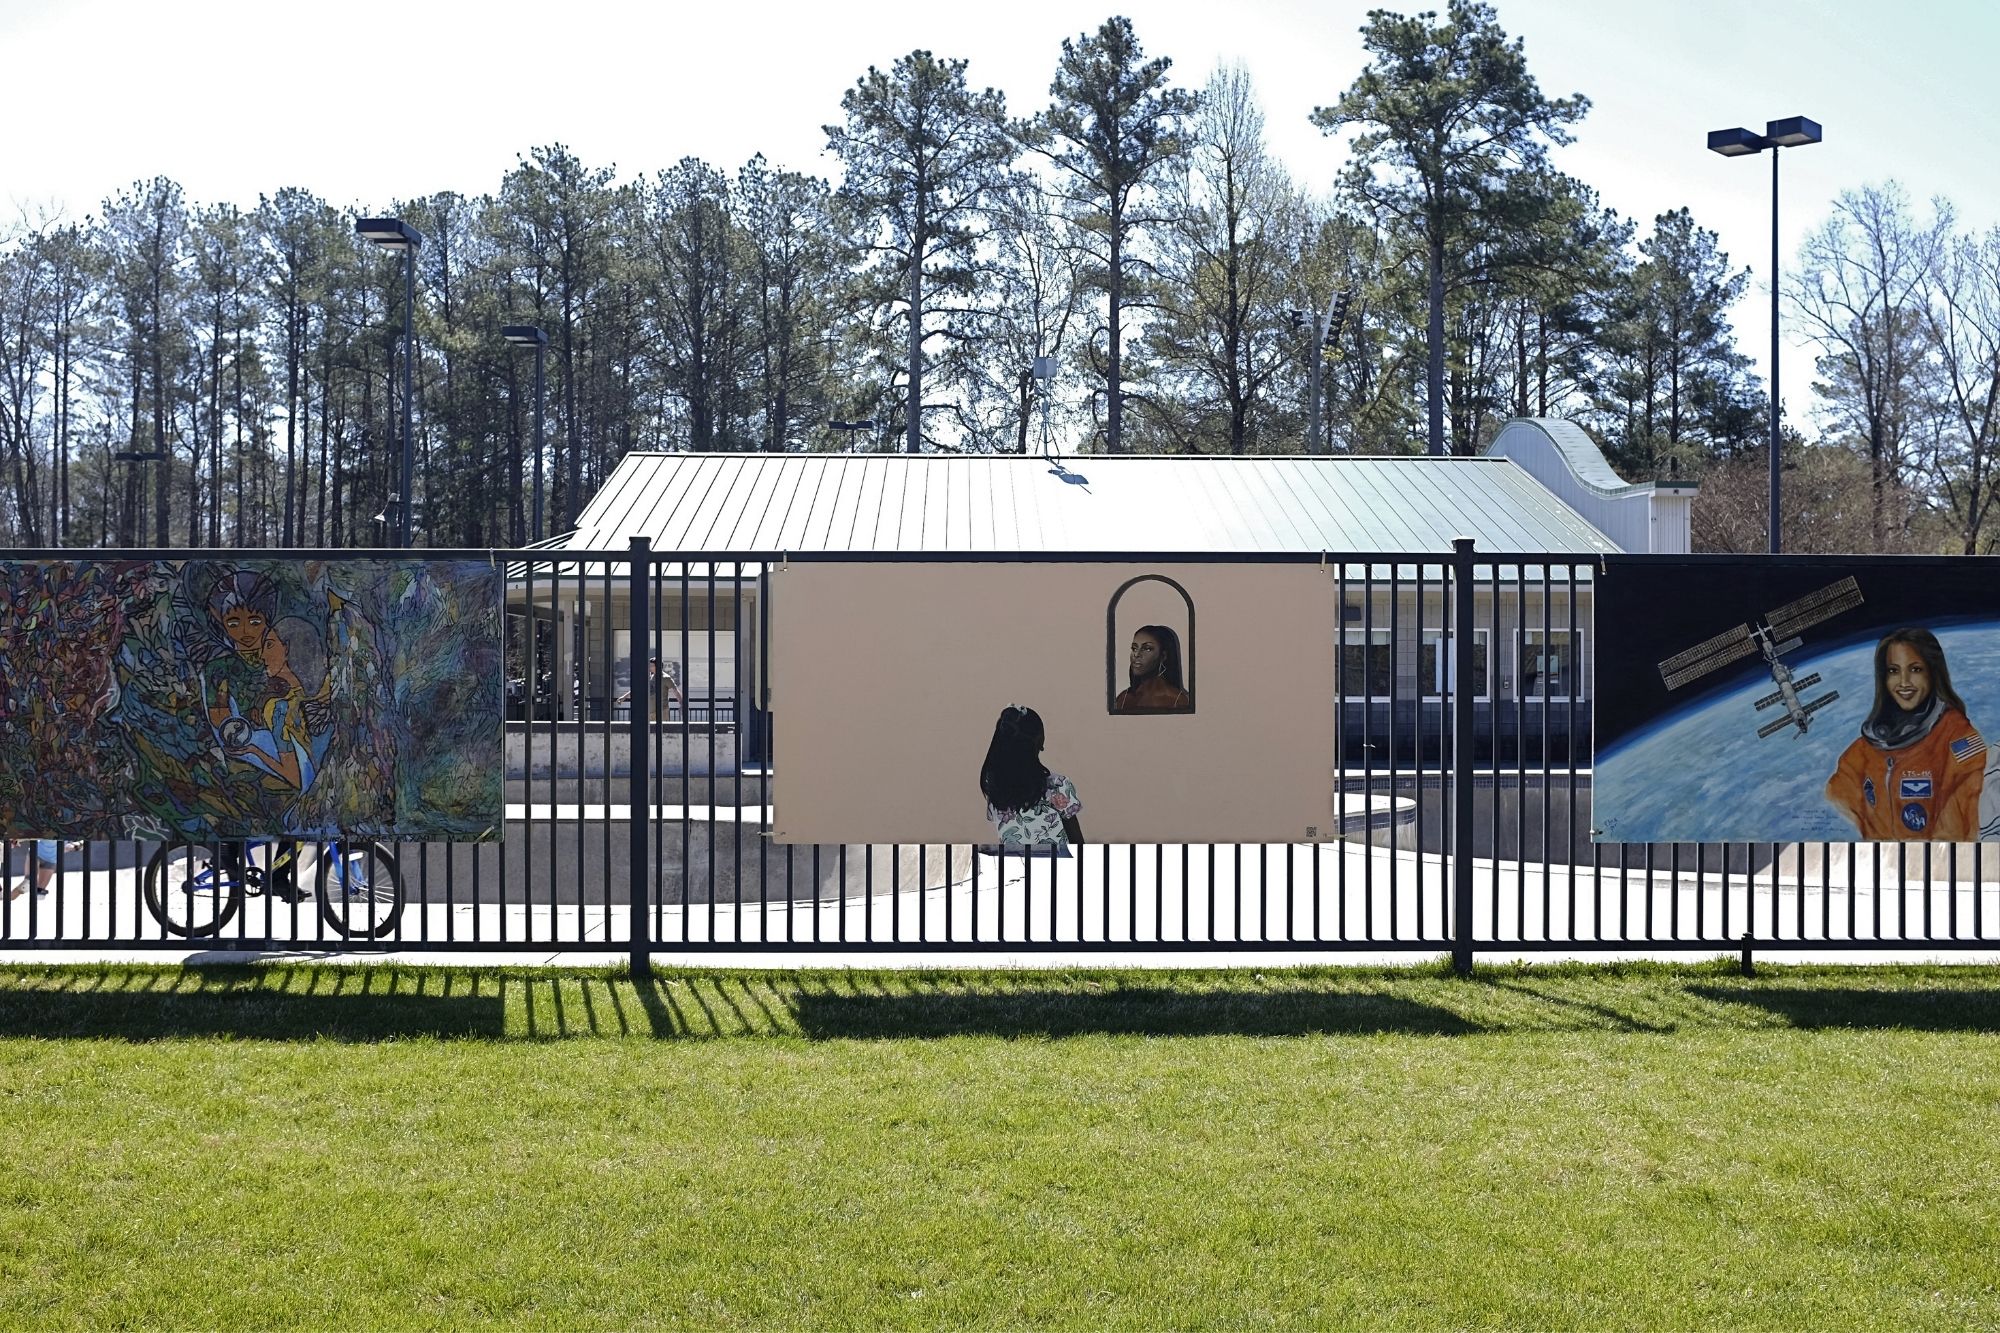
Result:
[{"x": 1550, "y": 1147}]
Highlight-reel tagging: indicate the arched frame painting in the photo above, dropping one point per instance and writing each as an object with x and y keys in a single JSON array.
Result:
[{"x": 1149, "y": 648}]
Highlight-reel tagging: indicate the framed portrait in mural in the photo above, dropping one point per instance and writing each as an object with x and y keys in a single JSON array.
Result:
[{"x": 1149, "y": 648}]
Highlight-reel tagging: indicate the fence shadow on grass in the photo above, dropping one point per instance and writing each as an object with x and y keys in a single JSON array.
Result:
[
  {"x": 877, "y": 1012},
  {"x": 1928, "y": 1009},
  {"x": 388, "y": 1002},
  {"x": 352, "y": 1004}
]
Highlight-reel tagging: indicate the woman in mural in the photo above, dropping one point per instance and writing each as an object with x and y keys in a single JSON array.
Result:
[
  {"x": 1918, "y": 766},
  {"x": 263, "y": 713},
  {"x": 1030, "y": 807},
  {"x": 1155, "y": 668}
]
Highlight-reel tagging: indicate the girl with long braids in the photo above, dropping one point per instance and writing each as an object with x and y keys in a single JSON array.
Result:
[
  {"x": 1031, "y": 808},
  {"x": 1917, "y": 769}
]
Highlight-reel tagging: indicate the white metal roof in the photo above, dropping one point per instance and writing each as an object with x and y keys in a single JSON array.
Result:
[{"x": 754, "y": 503}]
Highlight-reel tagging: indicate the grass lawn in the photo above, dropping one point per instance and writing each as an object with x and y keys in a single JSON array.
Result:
[{"x": 1549, "y": 1147}]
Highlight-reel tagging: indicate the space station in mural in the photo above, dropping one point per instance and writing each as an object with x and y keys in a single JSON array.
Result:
[{"x": 243, "y": 698}]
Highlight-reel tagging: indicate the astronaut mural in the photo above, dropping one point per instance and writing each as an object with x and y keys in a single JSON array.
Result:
[
  {"x": 225, "y": 698},
  {"x": 1797, "y": 700}
]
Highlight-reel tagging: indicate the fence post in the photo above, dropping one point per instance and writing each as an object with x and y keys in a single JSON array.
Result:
[
  {"x": 1464, "y": 665},
  {"x": 640, "y": 872}
]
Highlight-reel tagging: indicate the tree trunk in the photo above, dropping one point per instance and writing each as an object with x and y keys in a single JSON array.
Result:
[
  {"x": 1114, "y": 370},
  {"x": 1875, "y": 480},
  {"x": 293, "y": 352},
  {"x": 131, "y": 529},
  {"x": 573, "y": 502},
  {"x": 1434, "y": 334},
  {"x": 214, "y": 437},
  {"x": 238, "y": 469},
  {"x": 1542, "y": 363},
  {"x": 163, "y": 497},
  {"x": 1027, "y": 409},
  {"x": 59, "y": 485},
  {"x": 1521, "y": 362},
  {"x": 913, "y": 424}
]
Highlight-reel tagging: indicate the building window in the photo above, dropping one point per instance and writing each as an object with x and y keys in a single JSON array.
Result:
[
  {"x": 1435, "y": 661},
  {"x": 1549, "y": 664},
  {"x": 1367, "y": 664}
]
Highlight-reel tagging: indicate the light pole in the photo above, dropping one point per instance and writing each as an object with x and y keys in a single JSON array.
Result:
[
  {"x": 528, "y": 335},
  {"x": 1793, "y": 132},
  {"x": 867, "y": 423},
  {"x": 1326, "y": 333},
  {"x": 395, "y": 234}
]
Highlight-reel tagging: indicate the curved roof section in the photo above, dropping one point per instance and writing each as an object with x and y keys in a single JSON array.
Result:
[
  {"x": 769, "y": 503},
  {"x": 1580, "y": 454}
]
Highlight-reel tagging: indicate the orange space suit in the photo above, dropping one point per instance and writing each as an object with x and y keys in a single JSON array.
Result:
[{"x": 1926, "y": 791}]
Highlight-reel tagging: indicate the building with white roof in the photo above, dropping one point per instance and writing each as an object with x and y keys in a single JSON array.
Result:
[{"x": 1543, "y": 489}]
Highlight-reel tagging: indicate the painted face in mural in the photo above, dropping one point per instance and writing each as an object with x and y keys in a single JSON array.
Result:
[
  {"x": 247, "y": 629},
  {"x": 277, "y": 660},
  {"x": 1145, "y": 656},
  {"x": 1907, "y": 678}
]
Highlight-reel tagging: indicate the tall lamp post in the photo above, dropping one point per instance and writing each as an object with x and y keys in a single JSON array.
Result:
[
  {"x": 395, "y": 234},
  {"x": 528, "y": 335},
  {"x": 1793, "y": 132}
]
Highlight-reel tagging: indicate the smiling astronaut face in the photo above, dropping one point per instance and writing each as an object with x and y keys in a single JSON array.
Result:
[{"x": 1906, "y": 677}]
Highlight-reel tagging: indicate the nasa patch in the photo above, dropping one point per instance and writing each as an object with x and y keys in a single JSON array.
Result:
[
  {"x": 1868, "y": 790},
  {"x": 1916, "y": 787},
  {"x": 1914, "y": 818}
]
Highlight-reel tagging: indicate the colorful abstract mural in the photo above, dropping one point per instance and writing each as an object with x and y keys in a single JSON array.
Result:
[{"x": 249, "y": 698}]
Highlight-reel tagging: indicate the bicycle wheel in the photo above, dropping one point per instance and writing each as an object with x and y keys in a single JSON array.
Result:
[
  {"x": 190, "y": 890},
  {"x": 360, "y": 889}
]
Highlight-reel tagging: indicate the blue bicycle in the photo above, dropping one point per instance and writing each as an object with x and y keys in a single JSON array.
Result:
[{"x": 194, "y": 888}]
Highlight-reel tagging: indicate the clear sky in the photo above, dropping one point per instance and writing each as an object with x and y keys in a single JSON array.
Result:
[{"x": 365, "y": 104}]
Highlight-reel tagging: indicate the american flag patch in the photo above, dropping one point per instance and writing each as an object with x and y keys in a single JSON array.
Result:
[{"x": 1962, "y": 750}]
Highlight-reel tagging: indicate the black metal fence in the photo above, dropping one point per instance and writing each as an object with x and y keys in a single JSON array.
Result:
[{"x": 1459, "y": 766}]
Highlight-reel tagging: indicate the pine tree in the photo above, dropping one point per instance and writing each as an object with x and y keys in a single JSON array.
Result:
[
  {"x": 1449, "y": 117},
  {"x": 922, "y": 154},
  {"x": 1113, "y": 124}
]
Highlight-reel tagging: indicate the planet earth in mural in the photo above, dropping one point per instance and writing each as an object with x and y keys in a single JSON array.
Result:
[{"x": 1700, "y": 774}]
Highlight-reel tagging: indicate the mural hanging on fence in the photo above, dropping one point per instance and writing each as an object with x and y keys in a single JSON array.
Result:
[
  {"x": 1774, "y": 699},
  {"x": 1027, "y": 705},
  {"x": 243, "y": 698}
]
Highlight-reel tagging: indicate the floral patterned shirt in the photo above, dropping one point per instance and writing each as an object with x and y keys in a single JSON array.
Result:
[{"x": 1041, "y": 824}]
